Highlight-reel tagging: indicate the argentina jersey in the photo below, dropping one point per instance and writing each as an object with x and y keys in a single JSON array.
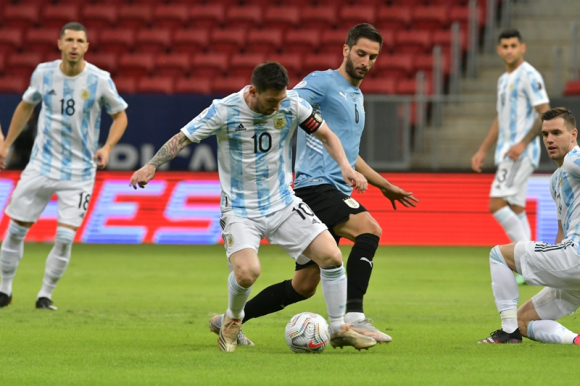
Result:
[
  {"x": 254, "y": 151},
  {"x": 69, "y": 119},
  {"x": 342, "y": 106},
  {"x": 518, "y": 93},
  {"x": 565, "y": 189}
]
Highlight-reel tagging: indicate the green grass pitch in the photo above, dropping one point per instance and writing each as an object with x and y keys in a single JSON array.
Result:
[{"x": 138, "y": 315}]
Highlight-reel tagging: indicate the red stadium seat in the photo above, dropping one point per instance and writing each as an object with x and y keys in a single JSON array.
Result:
[
  {"x": 409, "y": 86},
  {"x": 175, "y": 65},
  {"x": 152, "y": 40},
  {"x": 407, "y": 3},
  {"x": 22, "y": 64},
  {"x": 393, "y": 66},
  {"x": 11, "y": 84},
  {"x": 20, "y": 16},
  {"x": 171, "y": 16},
  {"x": 117, "y": 40},
  {"x": 134, "y": 16},
  {"x": 263, "y": 40},
  {"x": 104, "y": 60},
  {"x": 190, "y": 40},
  {"x": 443, "y": 39},
  {"x": 136, "y": 65},
  {"x": 393, "y": 18},
  {"x": 292, "y": 63},
  {"x": 301, "y": 41},
  {"x": 430, "y": 17},
  {"x": 282, "y": 18},
  {"x": 572, "y": 88},
  {"x": 355, "y": 14},
  {"x": 227, "y": 41},
  {"x": 332, "y": 40},
  {"x": 321, "y": 62},
  {"x": 461, "y": 14},
  {"x": 125, "y": 85},
  {"x": 228, "y": 85},
  {"x": 242, "y": 65},
  {"x": 379, "y": 86},
  {"x": 193, "y": 86},
  {"x": 2, "y": 61},
  {"x": 209, "y": 65},
  {"x": 413, "y": 42},
  {"x": 57, "y": 15},
  {"x": 206, "y": 16},
  {"x": 98, "y": 16},
  {"x": 155, "y": 85},
  {"x": 43, "y": 40},
  {"x": 10, "y": 40},
  {"x": 249, "y": 16},
  {"x": 323, "y": 17}
]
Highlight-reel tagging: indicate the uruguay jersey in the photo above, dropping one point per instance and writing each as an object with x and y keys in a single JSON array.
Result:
[
  {"x": 254, "y": 151},
  {"x": 70, "y": 118},
  {"x": 518, "y": 93},
  {"x": 341, "y": 105},
  {"x": 565, "y": 189}
]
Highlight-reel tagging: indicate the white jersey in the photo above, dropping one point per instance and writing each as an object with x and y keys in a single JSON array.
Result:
[
  {"x": 254, "y": 151},
  {"x": 565, "y": 189},
  {"x": 70, "y": 118},
  {"x": 518, "y": 93}
]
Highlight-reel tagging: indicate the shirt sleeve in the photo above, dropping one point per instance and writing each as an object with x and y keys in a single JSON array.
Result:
[
  {"x": 208, "y": 122},
  {"x": 111, "y": 99},
  {"x": 312, "y": 88},
  {"x": 33, "y": 95},
  {"x": 572, "y": 163},
  {"x": 536, "y": 89}
]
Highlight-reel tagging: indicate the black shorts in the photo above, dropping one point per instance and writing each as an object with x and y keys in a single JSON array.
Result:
[{"x": 330, "y": 205}]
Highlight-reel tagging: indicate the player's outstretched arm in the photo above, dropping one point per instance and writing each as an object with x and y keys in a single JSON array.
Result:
[
  {"x": 390, "y": 191},
  {"x": 336, "y": 151},
  {"x": 167, "y": 152},
  {"x": 516, "y": 150},
  {"x": 19, "y": 118},
  {"x": 115, "y": 133},
  {"x": 490, "y": 139}
]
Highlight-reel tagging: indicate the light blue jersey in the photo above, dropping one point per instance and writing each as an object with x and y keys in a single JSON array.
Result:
[
  {"x": 565, "y": 189},
  {"x": 342, "y": 106}
]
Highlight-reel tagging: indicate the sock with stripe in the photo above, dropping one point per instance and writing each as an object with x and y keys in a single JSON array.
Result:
[
  {"x": 57, "y": 260},
  {"x": 505, "y": 290},
  {"x": 550, "y": 331},
  {"x": 11, "y": 254},
  {"x": 359, "y": 268},
  {"x": 511, "y": 224},
  {"x": 333, "y": 282},
  {"x": 238, "y": 296},
  {"x": 525, "y": 225}
]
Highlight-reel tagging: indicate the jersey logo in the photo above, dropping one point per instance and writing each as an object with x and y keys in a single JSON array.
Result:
[
  {"x": 279, "y": 123},
  {"x": 539, "y": 86},
  {"x": 52, "y": 92},
  {"x": 85, "y": 94},
  {"x": 351, "y": 202},
  {"x": 240, "y": 127},
  {"x": 343, "y": 94}
]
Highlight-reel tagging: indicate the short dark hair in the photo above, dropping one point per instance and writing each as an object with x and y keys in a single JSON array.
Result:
[
  {"x": 74, "y": 26},
  {"x": 510, "y": 33},
  {"x": 363, "y": 30},
  {"x": 270, "y": 75},
  {"x": 561, "y": 112}
]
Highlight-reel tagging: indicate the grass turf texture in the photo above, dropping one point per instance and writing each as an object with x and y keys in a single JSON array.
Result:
[{"x": 138, "y": 315}]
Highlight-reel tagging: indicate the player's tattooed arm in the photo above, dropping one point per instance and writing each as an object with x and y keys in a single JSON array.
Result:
[{"x": 170, "y": 150}]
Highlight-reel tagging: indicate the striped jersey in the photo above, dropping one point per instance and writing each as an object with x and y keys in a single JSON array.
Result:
[
  {"x": 70, "y": 118},
  {"x": 518, "y": 93},
  {"x": 565, "y": 189},
  {"x": 342, "y": 106},
  {"x": 254, "y": 151}
]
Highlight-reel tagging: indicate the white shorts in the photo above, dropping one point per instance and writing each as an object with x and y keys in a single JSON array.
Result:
[
  {"x": 33, "y": 192},
  {"x": 553, "y": 303},
  {"x": 293, "y": 228},
  {"x": 511, "y": 180}
]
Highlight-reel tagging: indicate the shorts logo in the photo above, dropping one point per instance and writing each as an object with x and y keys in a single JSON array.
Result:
[
  {"x": 228, "y": 240},
  {"x": 351, "y": 202},
  {"x": 279, "y": 123}
]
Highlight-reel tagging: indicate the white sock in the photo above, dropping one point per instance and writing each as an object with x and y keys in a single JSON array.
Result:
[
  {"x": 57, "y": 260},
  {"x": 511, "y": 224},
  {"x": 333, "y": 281},
  {"x": 505, "y": 290},
  {"x": 352, "y": 317},
  {"x": 550, "y": 331},
  {"x": 10, "y": 255},
  {"x": 238, "y": 296},
  {"x": 526, "y": 225}
]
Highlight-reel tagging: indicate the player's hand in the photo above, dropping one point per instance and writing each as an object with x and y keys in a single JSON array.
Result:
[
  {"x": 355, "y": 179},
  {"x": 394, "y": 194},
  {"x": 142, "y": 176},
  {"x": 477, "y": 161},
  {"x": 516, "y": 150},
  {"x": 3, "y": 155},
  {"x": 102, "y": 157}
]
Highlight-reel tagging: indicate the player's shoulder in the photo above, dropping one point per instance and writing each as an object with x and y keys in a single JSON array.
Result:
[
  {"x": 572, "y": 160},
  {"x": 92, "y": 69},
  {"x": 234, "y": 99},
  {"x": 316, "y": 78},
  {"x": 530, "y": 71},
  {"x": 48, "y": 66}
]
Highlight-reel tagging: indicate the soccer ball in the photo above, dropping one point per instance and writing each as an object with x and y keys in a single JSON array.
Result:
[{"x": 307, "y": 332}]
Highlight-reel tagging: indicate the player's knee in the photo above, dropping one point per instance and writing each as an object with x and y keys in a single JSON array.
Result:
[
  {"x": 332, "y": 258},
  {"x": 495, "y": 256},
  {"x": 247, "y": 276},
  {"x": 306, "y": 284}
]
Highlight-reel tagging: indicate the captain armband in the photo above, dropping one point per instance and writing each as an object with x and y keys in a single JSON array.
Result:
[{"x": 312, "y": 124}]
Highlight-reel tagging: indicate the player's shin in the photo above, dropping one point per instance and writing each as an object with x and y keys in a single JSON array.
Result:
[
  {"x": 272, "y": 299},
  {"x": 359, "y": 268},
  {"x": 10, "y": 255},
  {"x": 333, "y": 281},
  {"x": 523, "y": 217},
  {"x": 238, "y": 296},
  {"x": 505, "y": 290},
  {"x": 511, "y": 224},
  {"x": 550, "y": 331},
  {"x": 57, "y": 260}
]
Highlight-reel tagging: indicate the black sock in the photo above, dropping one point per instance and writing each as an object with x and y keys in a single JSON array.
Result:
[
  {"x": 358, "y": 270},
  {"x": 272, "y": 299}
]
